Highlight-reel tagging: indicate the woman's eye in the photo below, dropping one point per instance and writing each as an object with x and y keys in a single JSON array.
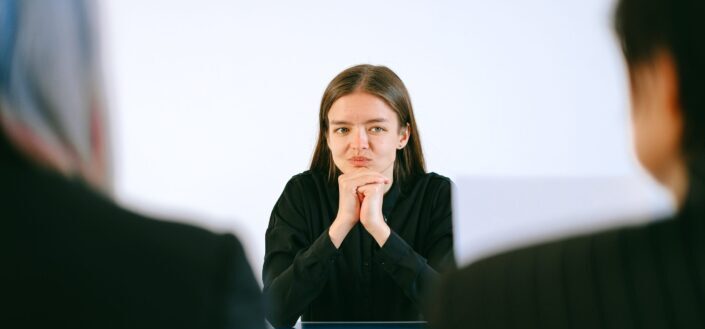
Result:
[
  {"x": 341, "y": 130},
  {"x": 376, "y": 129}
]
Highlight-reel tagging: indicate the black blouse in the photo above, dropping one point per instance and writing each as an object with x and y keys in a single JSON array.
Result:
[{"x": 305, "y": 274}]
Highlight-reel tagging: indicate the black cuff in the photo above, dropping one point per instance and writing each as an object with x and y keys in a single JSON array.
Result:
[
  {"x": 393, "y": 250},
  {"x": 323, "y": 249}
]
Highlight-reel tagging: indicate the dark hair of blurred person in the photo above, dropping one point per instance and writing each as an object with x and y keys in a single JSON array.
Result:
[
  {"x": 71, "y": 256},
  {"x": 666, "y": 62},
  {"x": 644, "y": 276}
]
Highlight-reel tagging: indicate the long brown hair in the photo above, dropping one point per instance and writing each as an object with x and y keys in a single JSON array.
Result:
[{"x": 382, "y": 82}]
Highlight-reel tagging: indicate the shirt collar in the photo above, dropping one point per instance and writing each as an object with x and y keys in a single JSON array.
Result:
[{"x": 693, "y": 204}]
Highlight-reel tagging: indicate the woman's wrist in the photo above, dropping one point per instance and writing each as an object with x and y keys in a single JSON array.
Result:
[
  {"x": 338, "y": 230},
  {"x": 380, "y": 232}
]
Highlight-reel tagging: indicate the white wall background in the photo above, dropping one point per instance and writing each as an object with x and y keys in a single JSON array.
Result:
[{"x": 215, "y": 102}]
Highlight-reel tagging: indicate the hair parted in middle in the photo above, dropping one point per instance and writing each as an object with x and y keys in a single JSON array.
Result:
[{"x": 381, "y": 82}]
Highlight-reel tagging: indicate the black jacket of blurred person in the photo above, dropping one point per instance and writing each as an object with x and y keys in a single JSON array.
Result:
[
  {"x": 70, "y": 257},
  {"x": 649, "y": 276}
]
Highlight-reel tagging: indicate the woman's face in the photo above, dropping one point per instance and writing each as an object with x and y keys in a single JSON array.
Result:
[{"x": 363, "y": 132}]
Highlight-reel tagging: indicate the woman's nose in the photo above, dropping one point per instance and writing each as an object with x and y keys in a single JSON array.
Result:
[{"x": 360, "y": 140}]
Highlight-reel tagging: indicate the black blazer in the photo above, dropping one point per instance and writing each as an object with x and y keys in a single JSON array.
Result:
[
  {"x": 650, "y": 276},
  {"x": 72, "y": 258}
]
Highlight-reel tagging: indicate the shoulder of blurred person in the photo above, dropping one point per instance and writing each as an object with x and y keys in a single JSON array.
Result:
[
  {"x": 78, "y": 259},
  {"x": 622, "y": 278},
  {"x": 71, "y": 256}
]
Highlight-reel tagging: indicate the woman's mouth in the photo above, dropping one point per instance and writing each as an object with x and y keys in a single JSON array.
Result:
[{"x": 359, "y": 161}]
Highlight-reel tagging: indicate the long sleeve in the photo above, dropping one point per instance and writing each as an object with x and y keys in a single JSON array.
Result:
[
  {"x": 296, "y": 266},
  {"x": 414, "y": 273}
]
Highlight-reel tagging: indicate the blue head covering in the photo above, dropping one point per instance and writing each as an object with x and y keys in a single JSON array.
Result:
[{"x": 51, "y": 85}]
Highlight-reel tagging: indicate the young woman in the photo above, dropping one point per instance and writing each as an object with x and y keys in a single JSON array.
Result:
[{"x": 363, "y": 233}]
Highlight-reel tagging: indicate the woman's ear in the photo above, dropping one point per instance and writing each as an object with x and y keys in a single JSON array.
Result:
[
  {"x": 404, "y": 135},
  {"x": 657, "y": 119},
  {"x": 666, "y": 67}
]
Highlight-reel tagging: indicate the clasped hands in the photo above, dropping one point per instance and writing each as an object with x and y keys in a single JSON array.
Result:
[{"x": 361, "y": 196}]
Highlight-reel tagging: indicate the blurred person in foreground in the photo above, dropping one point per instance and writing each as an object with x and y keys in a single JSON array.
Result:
[
  {"x": 649, "y": 276},
  {"x": 71, "y": 257}
]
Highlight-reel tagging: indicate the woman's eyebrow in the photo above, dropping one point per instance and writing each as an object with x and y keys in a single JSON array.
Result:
[
  {"x": 377, "y": 120},
  {"x": 342, "y": 122}
]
